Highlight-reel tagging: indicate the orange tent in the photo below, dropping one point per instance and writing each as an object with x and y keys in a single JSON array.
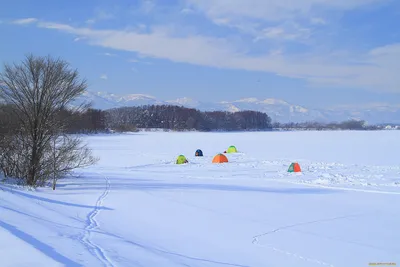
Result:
[
  {"x": 220, "y": 158},
  {"x": 294, "y": 167}
]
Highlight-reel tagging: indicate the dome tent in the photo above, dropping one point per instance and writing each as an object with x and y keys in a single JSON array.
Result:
[
  {"x": 199, "y": 153},
  {"x": 294, "y": 167},
  {"x": 231, "y": 149},
  {"x": 181, "y": 159},
  {"x": 220, "y": 158}
]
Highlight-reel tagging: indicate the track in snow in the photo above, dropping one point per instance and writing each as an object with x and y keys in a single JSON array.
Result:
[
  {"x": 91, "y": 223},
  {"x": 295, "y": 255}
]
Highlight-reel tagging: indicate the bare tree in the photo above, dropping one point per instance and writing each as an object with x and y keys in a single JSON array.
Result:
[{"x": 38, "y": 90}]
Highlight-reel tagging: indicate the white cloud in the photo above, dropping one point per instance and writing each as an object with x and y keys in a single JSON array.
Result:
[
  {"x": 318, "y": 21},
  {"x": 101, "y": 15},
  {"x": 268, "y": 19},
  {"x": 109, "y": 55},
  {"x": 90, "y": 21},
  {"x": 284, "y": 32},
  {"x": 77, "y": 39},
  {"x": 24, "y": 21},
  {"x": 104, "y": 77},
  {"x": 375, "y": 69},
  {"x": 187, "y": 11},
  {"x": 140, "y": 61},
  {"x": 244, "y": 27},
  {"x": 104, "y": 15},
  {"x": 276, "y": 32},
  {"x": 272, "y": 9}
]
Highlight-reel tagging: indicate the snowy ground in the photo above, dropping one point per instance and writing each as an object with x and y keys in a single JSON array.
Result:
[{"x": 138, "y": 208}]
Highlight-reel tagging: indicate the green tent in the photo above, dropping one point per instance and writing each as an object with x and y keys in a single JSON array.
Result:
[
  {"x": 231, "y": 149},
  {"x": 181, "y": 159}
]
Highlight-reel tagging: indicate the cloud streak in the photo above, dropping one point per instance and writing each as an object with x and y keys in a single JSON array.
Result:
[
  {"x": 24, "y": 21},
  {"x": 109, "y": 54},
  {"x": 286, "y": 32},
  {"x": 272, "y": 10}
]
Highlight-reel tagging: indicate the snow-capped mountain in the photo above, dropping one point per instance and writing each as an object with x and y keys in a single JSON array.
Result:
[
  {"x": 278, "y": 110},
  {"x": 102, "y": 100},
  {"x": 185, "y": 101}
]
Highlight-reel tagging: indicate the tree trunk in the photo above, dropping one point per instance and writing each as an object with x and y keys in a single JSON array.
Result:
[
  {"x": 31, "y": 176},
  {"x": 33, "y": 166}
]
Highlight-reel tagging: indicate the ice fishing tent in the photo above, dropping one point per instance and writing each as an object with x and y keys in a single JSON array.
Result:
[
  {"x": 199, "y": 153},
  {"x": 294, "y": 167},
  {"x": 181, "y": 159},
  {"x": 220, "y": 158},
  {"x": 231, "y": 149}
]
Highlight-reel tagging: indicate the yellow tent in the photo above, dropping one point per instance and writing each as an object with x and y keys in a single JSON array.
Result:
[
  {"x": 231, "y": 149},
  {"x": 181, "y": 159}
]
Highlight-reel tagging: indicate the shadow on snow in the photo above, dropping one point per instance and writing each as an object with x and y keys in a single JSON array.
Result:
[
  {"x": 44, "y": 248},
  {"x": 52, "y": 201}
]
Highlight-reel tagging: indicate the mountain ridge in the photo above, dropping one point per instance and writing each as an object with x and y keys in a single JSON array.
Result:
[{"x": 279, "y": 110}]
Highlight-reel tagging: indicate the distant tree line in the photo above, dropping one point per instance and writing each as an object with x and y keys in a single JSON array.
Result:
[
  {"x": 170, "y": 117},
  {"x": 167, "y": 117},
  {"x": 181, "y": 118},
  {"x": 345, "y": 125}
]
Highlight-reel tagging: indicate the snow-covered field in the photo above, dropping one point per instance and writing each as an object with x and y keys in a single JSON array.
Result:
[{"x": 137, "y": 208}]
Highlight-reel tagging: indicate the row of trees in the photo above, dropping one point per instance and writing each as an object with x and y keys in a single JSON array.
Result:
[
  {"x": 345, "y": 125},
  {"x": 181, "y": 118}
]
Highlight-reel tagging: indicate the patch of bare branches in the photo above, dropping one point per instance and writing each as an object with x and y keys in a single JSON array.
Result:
[{"x": 34, "y": 146}]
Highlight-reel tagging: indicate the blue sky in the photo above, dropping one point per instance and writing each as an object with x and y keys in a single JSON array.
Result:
[{"x": 316, "y": 53}]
